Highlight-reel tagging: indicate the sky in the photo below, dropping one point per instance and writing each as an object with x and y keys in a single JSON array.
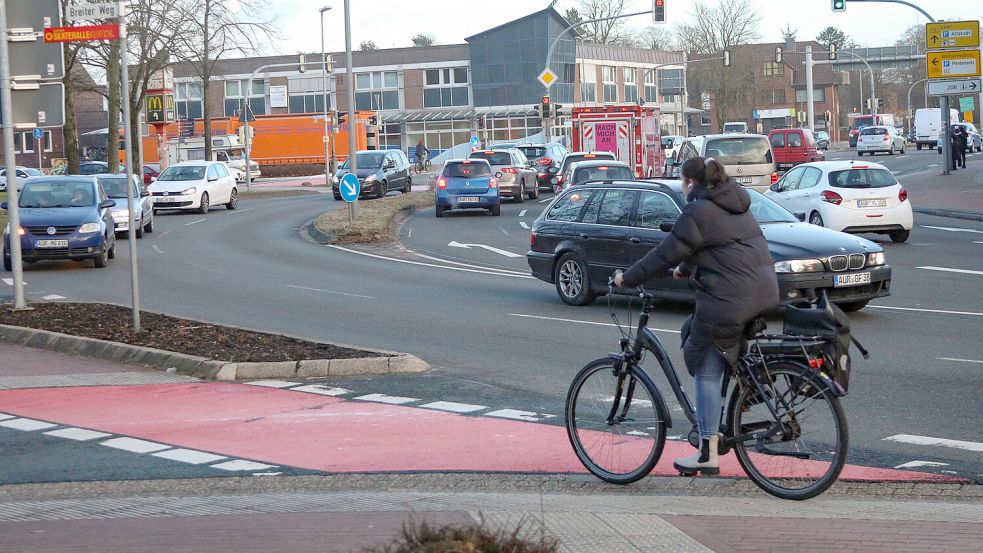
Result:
[{"x": 392, "y": 23}]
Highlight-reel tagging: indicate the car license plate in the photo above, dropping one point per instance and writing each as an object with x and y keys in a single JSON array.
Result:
[
  {"x": 467, "y": 199},
  {"x": 164, "y": 200},
  {"x": 744, "y": 180},
  {"x": 853, "y": 279},
  {"x": 872, "y": 203},
  {"x": 51, "y": 243}
]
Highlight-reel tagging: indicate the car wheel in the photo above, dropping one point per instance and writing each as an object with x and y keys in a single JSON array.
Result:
[
  {"x": 233, "y": 199},
  {"x": 203, "y": 208},
  {"x": 7, "y": 265},
  {"x": 572, "y": 281},
  {"x": 439, "y": 211},
  {"x": 899, "y": 235},
  {"x": 101, "y": 261},
  {"x": 408, "y": 186},
  {"x": 852, "y": 306},
  {"x": 918, "y": 147},
  {"x": 902, "y": 149},
  {"x": 149, "y": 227},
  {"x": 338, "y": 197},
  {"x": 139, "y": 231},
  {"x": 112, "y": 250},
  {"x": 496, "y": 210},
  {"x": 383, "y": 188},
  {"x": 860, "y": 154},
  {"x": 816, "y": 219},
  {"x": 890, "y": 152},
  {"x": 535, "y": 193},
  {"x": 518, "y": 195}
]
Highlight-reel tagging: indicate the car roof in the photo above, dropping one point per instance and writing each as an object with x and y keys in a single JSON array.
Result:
[
  {"x": 107, "y": 175},
  {"x": 193, "y": 163},
  {"x": 602, "y": 152},
  {"x": 655, "y": 185},
  {"x": 56, "y": 178},
  {"x": 461, "y": 160},
  {"x": 730, "y": 135},
  {"x": 600, "y": 162},
  {"x": 842, "y": 165}
]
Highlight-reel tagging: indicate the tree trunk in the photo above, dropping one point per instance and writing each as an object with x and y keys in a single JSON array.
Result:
[
  {"x": 113, "y": 85},
  {"x": 206, "y": 73},
  {"x": 135, "y": 139},
  {"x": 70, "y": 130}
]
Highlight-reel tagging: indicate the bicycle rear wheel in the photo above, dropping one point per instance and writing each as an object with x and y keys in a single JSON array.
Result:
[
  {"x": 622, "y": 448},
  {"x": 801, "y": 457}
]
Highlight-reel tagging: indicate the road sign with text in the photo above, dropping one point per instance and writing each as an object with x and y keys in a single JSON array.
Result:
[
  {"x": 952, "y": 34},
  {"x": 85, "y": 12},
  {"x": 954, "y": 64},
  {"x": 30, "y": 57},
  {"x": 960, "y": 86},
  {"x": 81, "y": 33}
]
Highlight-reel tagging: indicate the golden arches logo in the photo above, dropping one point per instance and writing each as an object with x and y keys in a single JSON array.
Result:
[{"x": 155, "y": 103}]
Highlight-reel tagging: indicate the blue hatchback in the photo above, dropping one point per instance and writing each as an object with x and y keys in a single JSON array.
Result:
[
  {"x": 63, "y": 218},
  {"x": 467, "y": 184}
]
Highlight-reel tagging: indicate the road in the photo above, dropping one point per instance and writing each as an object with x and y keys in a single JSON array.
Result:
[
  {"x": 502, "y": 340},
  {"x": 912, "y": 161}
]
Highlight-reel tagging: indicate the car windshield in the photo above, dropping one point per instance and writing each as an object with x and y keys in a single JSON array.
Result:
[
  {"x": 862, "y": 177},
  {"x": 32, "y": 172},
  {"x": 533, "y": 152},
  {"x": 467, "y": 170},
  {"x": 766, "y": 211},
  {"x": 370, "y": 160},
  {"x": 602, "y": 172},
  {"x": 183, "y": 173},
  {"x": 750, "y": 150},
  {"x": 873, "y": 131},
  {"x": 494, "y": 158},
  {"x": 115, "y": 187},
  {"x": 93, "y": 168},
  {"x": 57, "y": 194},
  {"x": 859, "y": 122}
]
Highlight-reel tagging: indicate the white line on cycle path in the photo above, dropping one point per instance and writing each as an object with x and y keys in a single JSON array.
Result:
[
  {"x": 583, "y": 322},
  {"x": 941, "y": 442}
]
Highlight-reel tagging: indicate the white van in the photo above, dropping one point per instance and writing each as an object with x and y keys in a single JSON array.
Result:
[
  {"x": 928, "y": 122},
  {"x": 735, "y": 127},
  {"x": 746, "y": 157}
]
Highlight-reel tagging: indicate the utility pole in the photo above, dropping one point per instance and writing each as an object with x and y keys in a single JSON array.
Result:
[
  {"x": 128, "y": 148},
  {"x": 350, "y": 81},
  {"x": 810, "y": 95},
  {"x": 10, "y": 163}
]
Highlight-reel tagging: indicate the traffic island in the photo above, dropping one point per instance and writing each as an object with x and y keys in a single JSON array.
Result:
[
  {"x": 378, "y": 220},
  {"x": 195, "y": 348}
]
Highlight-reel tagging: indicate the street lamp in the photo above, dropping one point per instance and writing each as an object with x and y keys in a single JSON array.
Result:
[{"x": 324, "y": 86}]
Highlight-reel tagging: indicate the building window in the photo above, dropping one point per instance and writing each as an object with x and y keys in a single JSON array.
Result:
[
  {"x": 651, "y": 91},
  {"x": 48, "y": 146},
  {"x": 446, "y": 87},
  {"x": 187, "y": 100},
  {"x": 237, "y": 90},
  {"x": 377, "y": 91},
  {"x": 704, "y": 120},
  {"x": 588, "y": 83},
  {"x": 771, "y": 69},
  {"x": 819, "y": 95},
  {"x": 772, "y": 97},
  {"x": 631, "y": 85},
  {"x": 610, "y": 86},
  {"x": 306, "y": 95},
  {"x": 26, "y": 142}
]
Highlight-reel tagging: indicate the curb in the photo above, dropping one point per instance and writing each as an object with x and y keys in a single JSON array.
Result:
[
  {"x": 953, "y": 214},
  {"x": 209, "y": 369}
]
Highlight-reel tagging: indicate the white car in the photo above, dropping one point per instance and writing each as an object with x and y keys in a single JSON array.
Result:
[
  {"x": 848, "y": 196},
  {"x": 879, "y": 138},
  {"x": 23, "y": 173},
  {"x": 194, "y": 185}
]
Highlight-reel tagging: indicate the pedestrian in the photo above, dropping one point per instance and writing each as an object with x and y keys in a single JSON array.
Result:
[
  {"x": 421, "y": 153},
  {"x": 963, "y": 140},
  {"x": 717, "y": 243},
  {"x": 954, "y": 146}
]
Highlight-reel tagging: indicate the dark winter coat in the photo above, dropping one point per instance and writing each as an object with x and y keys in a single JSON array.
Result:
[{"x": 718, "y": 243}]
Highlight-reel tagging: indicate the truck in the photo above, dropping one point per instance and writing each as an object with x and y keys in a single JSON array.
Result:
[
  {"x": 226, "y": 148},
  {"x": 631, "y": 132},
  {"x": 928, "y": 125},
  {"x": 860, "y": 120}
]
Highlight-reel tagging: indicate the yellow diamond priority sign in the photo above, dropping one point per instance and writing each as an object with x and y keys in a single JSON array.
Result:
[{"x": 547, "y": 77}]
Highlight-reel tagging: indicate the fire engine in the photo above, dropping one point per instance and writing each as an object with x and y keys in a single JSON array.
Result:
[{"x": 630, "y": 132}]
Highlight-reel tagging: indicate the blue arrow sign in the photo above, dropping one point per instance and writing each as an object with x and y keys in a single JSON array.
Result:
[
  {"x": 350, "y": 187},
  {"x": 475, "y": 142},
  {"x": 38, "y": 134}
]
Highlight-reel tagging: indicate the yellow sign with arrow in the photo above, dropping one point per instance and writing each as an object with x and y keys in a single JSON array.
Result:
[{"x": 952, "y": 34}]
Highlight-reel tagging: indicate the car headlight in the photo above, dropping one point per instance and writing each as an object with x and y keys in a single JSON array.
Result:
[
  {"x": 370, "y": 178},
  {"x": 335, "y": 180},
  {"x": 191, "y": 190},
  {"x": 875, "y": 259},
  {"x": 800, "y": 266},
  {"x": 90, "y": 227}
]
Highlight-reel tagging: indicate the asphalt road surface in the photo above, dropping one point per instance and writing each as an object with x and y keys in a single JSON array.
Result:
[{"x": 500, "y": 338}]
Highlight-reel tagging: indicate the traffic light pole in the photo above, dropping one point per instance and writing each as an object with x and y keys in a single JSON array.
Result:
[{"x": 10, "y": 164}]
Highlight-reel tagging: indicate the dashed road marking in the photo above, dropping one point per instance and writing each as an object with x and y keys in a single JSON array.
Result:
[
  {"x": 916, "y": 464},
  {"x": 272, "y": 383},
  {"x": 27, "y": 425},
  {"x": 951, "y": 270},
  {"x": 134, "y": 445},
  {"x": 523, "y": 213},
  {"x": 583, "y": 322},
  {"x": 195, "y": 222},
  {"x": 454, "y": 407},
  {"x": 10, "y": 282},
  {"x": 53, "y": 297},
  {"x": 508, "y": 271},
  {"x": 543, "y": 201},
  {"x": 523, "y": 225},
  {"x": 329, "y": 292},
  {"x": 409, "y": 262},
  {"x": 157, "y": 249},
  {"x": 189, "y": 456},
  {"x": 321, "y": 390},
  {"x": 515, "y": 414},
  {"x": 960, "y": 360},
  {"x": 942, "y": 311},
  {"x": 241, "y": 465},
  {"x": 241, "y": 210},
  {"x": 954, "y": 229},
  {"x": 409, "y": 234},
  {"x": 941, "y": 442},
  {"x": 391, "y": 400},
  {"x": 77, "y": 434}
]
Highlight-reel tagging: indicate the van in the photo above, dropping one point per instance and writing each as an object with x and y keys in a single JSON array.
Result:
[
  {"x": 792, "y": 147},
  {"x": 746, "y": 157},
  {"x": 928, "y": 123},
  {"x": 732, "y": 127}
]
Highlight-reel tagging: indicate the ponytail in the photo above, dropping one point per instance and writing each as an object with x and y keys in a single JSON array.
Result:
[{"x": 715, "y": 173}]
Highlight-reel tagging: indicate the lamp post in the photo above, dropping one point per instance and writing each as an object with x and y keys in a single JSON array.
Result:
[
  {"x": 350, "y": 81},
  {"x": 324, "y": 86}
]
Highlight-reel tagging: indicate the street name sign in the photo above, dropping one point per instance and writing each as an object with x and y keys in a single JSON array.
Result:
[
  {"x": 961, "y": 86},
  {"x": 547, "y": 77},
  {"x": 349, "y": 187},
  {"x": 954, "y": 64},
  {"x": 82, "y": 33},
  {"x": 85, "y": 12},
  {"x": 952, "y": 34}
]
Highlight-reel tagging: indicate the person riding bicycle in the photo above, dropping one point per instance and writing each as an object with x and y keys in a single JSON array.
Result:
[
  {"x": 421, "y": 154},
  {"x": 717, "y": 243}
]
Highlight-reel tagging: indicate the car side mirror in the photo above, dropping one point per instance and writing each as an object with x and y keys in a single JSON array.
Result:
[
  {"x": 554, "y": 170},
  {"x": 212, "y": 179},
  {"x": 800, "y": 215},
  {"x": 144, "y": 193},
  {"x": 3, "y": 206},
  {"x": 777, "y": 187},
  {"x": 106, "y": 204},
  {"x": 666, "y": 226}
]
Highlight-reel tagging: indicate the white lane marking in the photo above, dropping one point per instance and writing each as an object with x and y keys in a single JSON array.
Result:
[
  {"x": 977, "y": 242},
  {"x": 960, "y": 360},
  {"x": 53, "y": 297},
  {"x": 954, "y": 229},
  {"x": 195, "y": 222},
  {"x": 321, "y": 390},
  {"x": 5, "y": 416},
  {"x": 241, "y": 211},
  {"x": 543, "y": 201},
  {"x": 10, "y": 282},
  {"x": 409, "y": 234},
  {"x": 514, "y": 414},
  {"x": 163, "y": 234},
  {"x": 454, "y": 407},
  {"x": 241, "y": 465},
  {"x": 77, "y": 434},
  {"x": 916, "y": 464},
  {"x": 524, "y": 225},
  {"x": 134, "y": 445},
  {"x": 189, "y": 456},
  {"x": 583, "y": 322},
  {"x": 507, "y": 271},
  {"x": 492, "y": 249},
  {"x": 903, "y": 156},
  {"x": 503, "y": 230},
  {"x": 157, "y": 249},
  {"x": 391, "y": 400},
  {"x": 941, "y": 442},
  {"x": 272, "y": 383},
  {"x": 27, "y": 425},
  {"x": 925, "y": 310},
  {"x": 951, "y": 270},
  {"x": 329, "y": 292},
  {"x": 200, "y": 266},
  {"x": 523, "y": 213},
  {"x": 407, "y": 261}
]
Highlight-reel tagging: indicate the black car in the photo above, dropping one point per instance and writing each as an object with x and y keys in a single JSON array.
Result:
[
  {"x": 545, "y": 157},
  {"x": 574, "y": 157},
  {"x": 589, "y": 231},
  {"x": 379, "y": 171}
]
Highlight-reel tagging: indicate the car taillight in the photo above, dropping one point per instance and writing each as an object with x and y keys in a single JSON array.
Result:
[
  {"x": 441, "y": 183},
  {"x": 831, "y": 197},
  {"x": 886, "y": 138},
  {"x": 492, "y": 183},
  {"x": 774, "y": 177},
  {"x": 532, "y": 238},
  {"x": 544, "y": 161},
  {"x": 510, "y": 170},
  {"x": 559, "y": 180},
  {"x": 902, "y": 195}
]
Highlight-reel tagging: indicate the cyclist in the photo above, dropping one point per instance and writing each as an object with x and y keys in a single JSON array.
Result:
[
  {"x": 718, "y": 245},
  {"x": 421, "y": 155}
]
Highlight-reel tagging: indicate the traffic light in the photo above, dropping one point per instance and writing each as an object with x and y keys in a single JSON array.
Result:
[
  {"x": 778, "y": 54},
  {"x": 545, "y": 107},
  {"x": 481, "y": 122},
  {"x": 342, "y": 117},
  {"x": 658, "y": 11},
  {"x": 556, "y": 109},
  {"x": 726, "y": 58},
  {"x": 839, "y": 5},
  {"x": 373, "y": 120},
  {"x": 832, "y": 52},
  {"x": 880, "y": 104}
]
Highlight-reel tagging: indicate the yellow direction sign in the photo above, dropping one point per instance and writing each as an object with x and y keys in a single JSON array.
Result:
[
  {"x": 547, "y": 77},
  {"x": 952, "y": 34},
  {"x": 948, "y": 65}
]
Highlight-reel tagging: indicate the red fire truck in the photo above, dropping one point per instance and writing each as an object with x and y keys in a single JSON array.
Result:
[{"x": 630, "y": 132}]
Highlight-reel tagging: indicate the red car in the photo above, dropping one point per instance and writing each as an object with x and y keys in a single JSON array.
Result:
[
  {"x": 150, "y": 173},
  {"x": 790, "y": 147}
]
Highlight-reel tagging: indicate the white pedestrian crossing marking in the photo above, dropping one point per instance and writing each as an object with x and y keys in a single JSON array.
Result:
[
  {"x": 454, "y": 407},
  {"x": 189, "y": 456},
  {"x": 941, "y": 442},
  {"x": 916, "y": 464},
  {"x": 5, "y": 416},
  {"x": 53, "y": 297},
  {"x": 134, "y": 445},
  {"x": 241, "y": 465},
  {"x": 10, "y": 282},
  {"x": 321, "y": 390},
  {"x": 272, "y": 383},
  {"x": 77, "y": 434},
  {"x": 391, "y": 400},
  {"x": 27, "y": 425},
  {"x": 514, "y": 414}
]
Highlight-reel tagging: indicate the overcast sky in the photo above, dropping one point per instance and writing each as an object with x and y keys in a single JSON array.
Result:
[{"x": 391, "y": 23}]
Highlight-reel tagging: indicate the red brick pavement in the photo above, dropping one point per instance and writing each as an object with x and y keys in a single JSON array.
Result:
[{"x": 21, "y": 361}]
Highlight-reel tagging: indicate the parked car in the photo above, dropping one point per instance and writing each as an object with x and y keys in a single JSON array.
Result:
[
  {"x": 792, "y": 147},
  {"x": 194, "y": 185},
  {"x": 515, "y": 176},
  {"x": 822, "y": 140},
  {"x": 670, "y": 146},
  {"x": 735, "y": 127},
  {"x": 574, "y": 157},
  {"x": 94, "y": 168},
  {"x": 973, "y": 139},
  {"x": 545, "y": 157},
  {"x": 115, "y": 187},
  {"x": 467, "y": 184},
  {"x": 746, "y": 157},
  {"x": 848, "y": 196},
  {"x": 63, "y": 218},
  {"x": 23, "y": 173},
  {"x": 879, "y": 138},
  {"x": 150, "y": 172},
  {"x": 596, "y": 170},
  {"x": 378, "y": 171},
  {"x": 589, "y": 231}
]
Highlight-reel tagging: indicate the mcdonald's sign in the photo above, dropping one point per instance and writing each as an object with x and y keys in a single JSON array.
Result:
[{"x": 160, "y": 108}]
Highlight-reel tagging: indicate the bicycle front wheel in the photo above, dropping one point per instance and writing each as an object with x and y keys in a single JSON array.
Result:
[
  {"x": 614, "y": 423},
  {"x": 801, "y": 454}
]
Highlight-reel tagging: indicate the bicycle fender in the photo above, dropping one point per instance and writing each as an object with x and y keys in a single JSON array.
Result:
[{"x": 660, "y": 402}]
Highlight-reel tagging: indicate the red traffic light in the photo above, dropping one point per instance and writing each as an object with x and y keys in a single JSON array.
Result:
[{"x": 546, "y": 100}]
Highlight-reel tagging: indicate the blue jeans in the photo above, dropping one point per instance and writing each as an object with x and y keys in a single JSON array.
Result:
[{"x": 709, "y": 379}]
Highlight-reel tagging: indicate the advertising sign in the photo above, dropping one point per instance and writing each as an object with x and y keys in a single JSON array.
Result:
[
  {"x": 81, "y": 33},
  {"x": 606, "y": 137}
]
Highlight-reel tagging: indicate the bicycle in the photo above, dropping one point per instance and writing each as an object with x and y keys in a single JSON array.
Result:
[
  {"x": 775, "y": 418},
  {"x": 422, "y": 164}
]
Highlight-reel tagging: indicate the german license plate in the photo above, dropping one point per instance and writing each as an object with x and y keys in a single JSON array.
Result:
[
  {"x": 852, "y": 279},
  {"x": 872, "y": 203},
  {"x": 164, "y": 200},
  {"x": 744, "y": 180},
  {"x": 467, "y": 199},
  {"x": 51, "y": 243}
]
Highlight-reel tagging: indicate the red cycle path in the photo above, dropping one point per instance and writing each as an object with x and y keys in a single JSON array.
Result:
[{"x": 331, "y": 434}]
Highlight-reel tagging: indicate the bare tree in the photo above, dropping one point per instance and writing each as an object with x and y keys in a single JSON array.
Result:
[
  {"x": 656, "y": 38},
  {"x": 73, "y": 82},
  {"x": 367, "y": 46},
  {"x": 602, "y": 32},
  {"x": 424, "y": 40}
]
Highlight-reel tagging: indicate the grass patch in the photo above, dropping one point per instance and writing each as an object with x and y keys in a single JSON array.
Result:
[
  {"x": 376, "y": 222},
  {"x": 420, "y": 537}
]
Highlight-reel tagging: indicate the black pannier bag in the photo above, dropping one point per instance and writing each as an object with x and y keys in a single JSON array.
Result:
[{"x": 827, "y": 320}]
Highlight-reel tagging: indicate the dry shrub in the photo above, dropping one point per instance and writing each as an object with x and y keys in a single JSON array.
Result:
[
  {"x": 376, "y": 222},
  {"x": 420, "y": 537}
]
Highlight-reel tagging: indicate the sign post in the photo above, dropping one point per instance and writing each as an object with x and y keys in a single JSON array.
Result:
[
  {"x": 953, "y": 53},
  {"x": 349, "y": 187},
  {"x": 128, "y": 133},
  {"x": 39, "y": 138}
]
